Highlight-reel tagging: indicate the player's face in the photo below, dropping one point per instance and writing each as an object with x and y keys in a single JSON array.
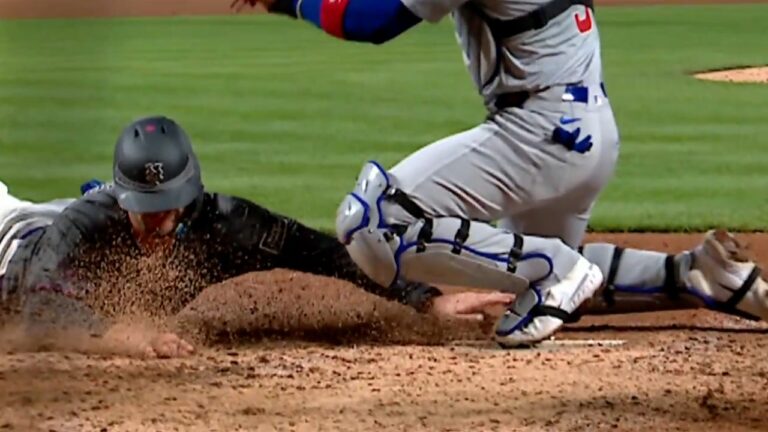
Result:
[{"x": 154, "y": 225}]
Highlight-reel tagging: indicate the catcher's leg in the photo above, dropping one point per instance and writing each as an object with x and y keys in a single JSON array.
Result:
[
  {"x": 635, "y": 280},
  {"x": 389, "y": 236},
  {"x": 567, "y": 223},
  {"x": 716, "y": 275},
  {"x": 426, "y": 220}
]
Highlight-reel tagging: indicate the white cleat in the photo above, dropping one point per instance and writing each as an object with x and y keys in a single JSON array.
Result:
[
  {"x": 725, "y": 279},
  {"x": 538, "y": 313}
]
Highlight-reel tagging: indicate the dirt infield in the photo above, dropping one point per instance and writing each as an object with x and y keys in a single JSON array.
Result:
[
  {"x": 301, "y": 353},
  {"x": 296, "y": 352}
]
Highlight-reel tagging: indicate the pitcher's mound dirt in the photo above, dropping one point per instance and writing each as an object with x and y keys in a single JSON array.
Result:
[{"x": 742, "y": 75}]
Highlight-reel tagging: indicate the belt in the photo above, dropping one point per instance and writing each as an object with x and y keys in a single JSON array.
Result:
[
  {"x": 577, "y": 93},
  {"x": 570, "y": 139}
]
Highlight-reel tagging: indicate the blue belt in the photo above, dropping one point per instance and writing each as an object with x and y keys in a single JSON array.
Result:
[
  {"x": 517, "y": 99},
  {"x": 581, "y": 93}
]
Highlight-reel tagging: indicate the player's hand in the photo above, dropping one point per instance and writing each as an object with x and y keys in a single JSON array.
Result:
[
  {"x": 475, "y": 306},
  {"x": 238, "y": 5},
  {"x": 168, "y": 345}
]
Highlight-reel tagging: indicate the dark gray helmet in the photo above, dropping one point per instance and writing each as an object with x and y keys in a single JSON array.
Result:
[{"x": 155, "y": 168}]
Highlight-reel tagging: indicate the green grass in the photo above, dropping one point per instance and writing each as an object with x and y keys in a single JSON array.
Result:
[{"x": 290, "y": 126}]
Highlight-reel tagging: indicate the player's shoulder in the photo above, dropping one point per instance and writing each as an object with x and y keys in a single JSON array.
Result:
[
  {"x": 99, "y": 194},
  {"x": 105, "y": 198},
  {"x": 92, "y": 210},
  {"x": 234, "y": 210}
]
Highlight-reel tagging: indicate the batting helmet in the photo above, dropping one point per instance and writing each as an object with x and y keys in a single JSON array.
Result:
[{"x": 155, "y": 168}]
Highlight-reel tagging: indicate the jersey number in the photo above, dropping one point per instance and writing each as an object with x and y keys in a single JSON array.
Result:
[{"x": 584, "y": 24}]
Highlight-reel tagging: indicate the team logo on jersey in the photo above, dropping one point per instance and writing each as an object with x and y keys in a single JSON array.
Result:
[
  {"x": 274, "y": 239},
  {"x": 584, "y": 24},
  {"x": 154, "y": 173}
]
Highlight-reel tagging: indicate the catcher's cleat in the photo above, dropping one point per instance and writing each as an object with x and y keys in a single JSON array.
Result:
[
  {"x": 725, "y": 279},
  {"x": 539, "y": 312}
]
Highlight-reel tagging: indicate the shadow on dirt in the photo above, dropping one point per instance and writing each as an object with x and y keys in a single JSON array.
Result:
[{"x": 368, "y": 332}]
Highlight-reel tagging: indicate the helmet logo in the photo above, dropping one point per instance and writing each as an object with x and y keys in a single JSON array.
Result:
[{"x": 154, "y": 172}]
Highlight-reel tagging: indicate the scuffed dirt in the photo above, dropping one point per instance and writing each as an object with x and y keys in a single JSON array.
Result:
[
  {"x": 298, "y": 352},
  {"x": 692, "y": 382},
  {"x": 740, "y": 75}
]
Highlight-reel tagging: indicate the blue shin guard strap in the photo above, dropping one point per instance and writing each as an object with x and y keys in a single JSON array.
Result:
[{"x": 462, "y": 234}]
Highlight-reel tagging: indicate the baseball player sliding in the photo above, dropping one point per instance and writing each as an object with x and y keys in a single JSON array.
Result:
[
  {"x": 56, "y": 255},
  {"x": 536, "y": 165}
]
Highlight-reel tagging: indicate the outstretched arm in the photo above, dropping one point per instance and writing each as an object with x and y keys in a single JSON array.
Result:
[
  {"x": 372, "y": 21},
  {"x": 262, "y": 239},
  {"x": 316, "y": 252},
  {"x": 313, "y": 251}
]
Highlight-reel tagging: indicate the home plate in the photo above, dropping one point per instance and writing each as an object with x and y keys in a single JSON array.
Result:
[{"x": 547, "y": 345}]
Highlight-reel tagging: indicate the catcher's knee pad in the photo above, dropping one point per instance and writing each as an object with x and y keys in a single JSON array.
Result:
[{"x": 361, "y": 226}]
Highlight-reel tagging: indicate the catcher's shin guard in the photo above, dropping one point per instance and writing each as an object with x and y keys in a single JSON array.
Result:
[
  {"x": 714, "y": 275},
  {"x": 440, "y": 250}
]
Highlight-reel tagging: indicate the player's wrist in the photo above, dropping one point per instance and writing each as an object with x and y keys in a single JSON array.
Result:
[{"x": 424, "y": 299}]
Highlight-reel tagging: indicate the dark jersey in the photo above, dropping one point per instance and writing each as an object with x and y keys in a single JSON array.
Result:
[{"x": 89, "y": 254}]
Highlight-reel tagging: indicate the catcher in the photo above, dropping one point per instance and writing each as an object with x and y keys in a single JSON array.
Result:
[
  {"x": 62, "y": 263},
  {"x": 536, "y": 165}
]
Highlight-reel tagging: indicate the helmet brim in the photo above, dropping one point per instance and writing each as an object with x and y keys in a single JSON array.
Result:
[{"x": 158, "y": 200}]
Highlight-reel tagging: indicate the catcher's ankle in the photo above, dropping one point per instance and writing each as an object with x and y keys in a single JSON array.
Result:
[{"x": 755, "y": 302}]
